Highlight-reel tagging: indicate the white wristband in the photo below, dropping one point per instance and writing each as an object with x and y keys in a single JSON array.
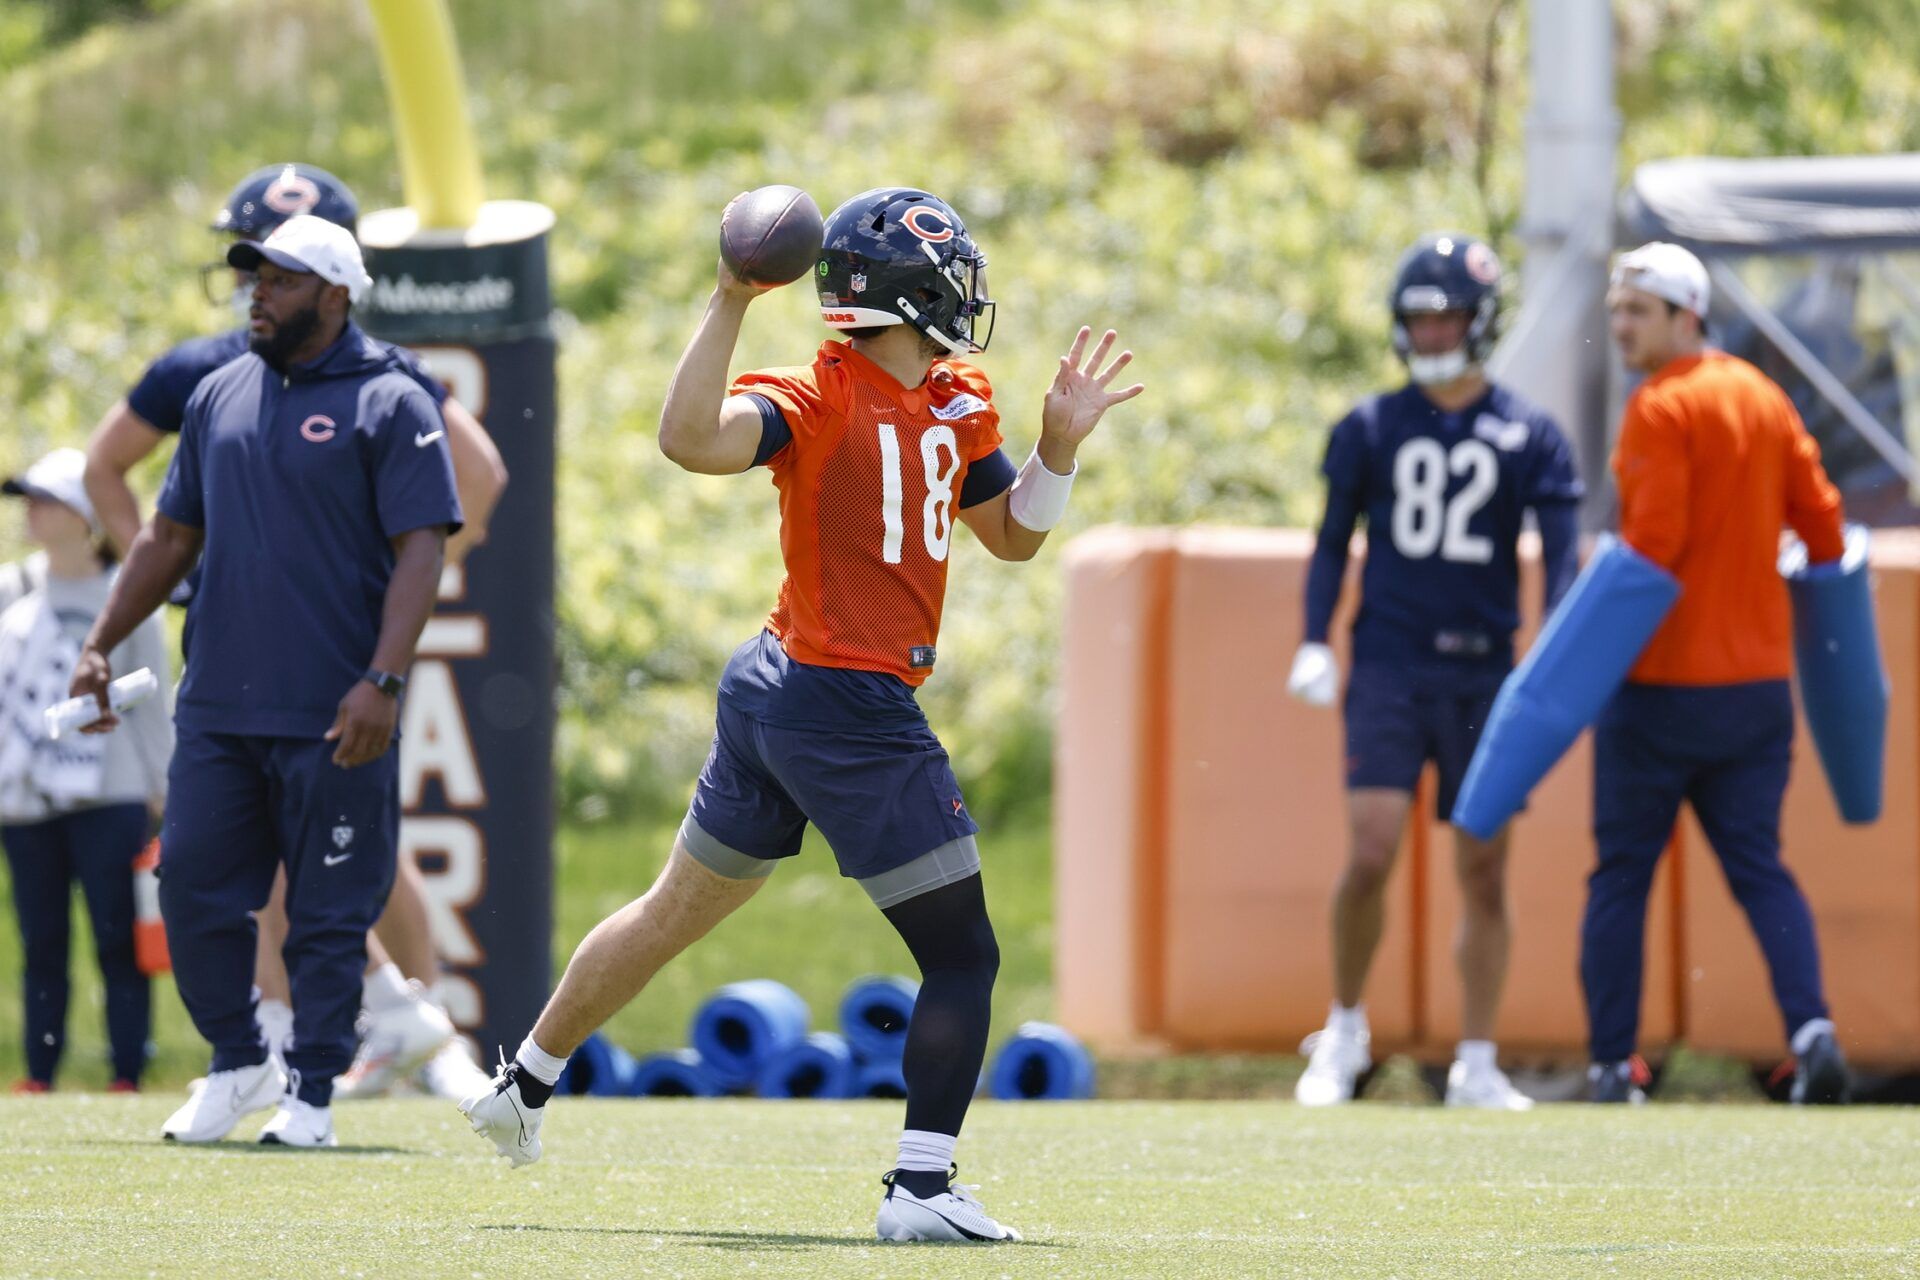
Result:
[{"x": 1040, "y": 496}]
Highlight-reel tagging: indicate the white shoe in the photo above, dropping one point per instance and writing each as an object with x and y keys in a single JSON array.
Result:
[
  {"x": 1488, "y": 1089},
  {"x": 299, "y": 1124},
  {"x": 500, "y": 1115},
  {"x": 1335, "y": 1061},
  {"x": 952, "y": 1215},
  {"x": 394, "y": 1042},
  {"x": 452, "y": 1073},
  {"x": 222, "y": 1100}
]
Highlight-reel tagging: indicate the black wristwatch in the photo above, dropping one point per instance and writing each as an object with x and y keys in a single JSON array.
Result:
[{"x": 386, "y": 682}]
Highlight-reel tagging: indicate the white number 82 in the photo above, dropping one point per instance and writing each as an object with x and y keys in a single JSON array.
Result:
[{"x": 1423, "y": 520}]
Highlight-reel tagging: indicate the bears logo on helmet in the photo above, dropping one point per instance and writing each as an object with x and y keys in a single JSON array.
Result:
[
  {"x": 1446, "y": 271},
  {"x": 898, "y": 255},
  {"x": 267, "y": 197}
]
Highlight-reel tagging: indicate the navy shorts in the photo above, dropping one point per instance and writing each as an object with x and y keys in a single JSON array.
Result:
[
  {"x": 1395, "y": 725},
  {"x": 886, "y": 801}
]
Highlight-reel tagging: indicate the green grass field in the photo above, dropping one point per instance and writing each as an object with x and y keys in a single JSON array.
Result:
[
  {"x": 811, "y": 929},
  {"x": 1100, "y": 1189}
]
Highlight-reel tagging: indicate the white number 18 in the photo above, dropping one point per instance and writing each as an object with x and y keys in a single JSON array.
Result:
[{"x": 936, "y": 514}]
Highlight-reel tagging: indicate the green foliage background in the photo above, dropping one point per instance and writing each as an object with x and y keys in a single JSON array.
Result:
[{"x": 1226, "y": 183}]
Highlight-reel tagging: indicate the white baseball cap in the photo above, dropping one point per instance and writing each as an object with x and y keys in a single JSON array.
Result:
[
  {"x": 1666, "y": 271},
  {"x": 60, "y": 476},
  {"x": 314, "y": 245}
]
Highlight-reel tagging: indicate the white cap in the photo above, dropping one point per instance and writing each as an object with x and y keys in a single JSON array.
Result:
[
  {"x": 306, "y": 243},
  {"x": 60, "y": 476},
  {"x": 1666, "y": 271}
]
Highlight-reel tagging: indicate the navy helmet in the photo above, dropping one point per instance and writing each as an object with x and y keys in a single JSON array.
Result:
[
  {"x": 1447, "y": 271},
  {"x": 897, "y": 255},
  {"x": 268, "y": 197}
]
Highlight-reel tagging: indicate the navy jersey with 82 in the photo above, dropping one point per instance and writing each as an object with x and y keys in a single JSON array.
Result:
[{"x": 1444, "y": 496}]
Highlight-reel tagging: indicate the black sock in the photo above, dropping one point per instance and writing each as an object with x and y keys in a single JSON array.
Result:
[
  {"x": 924, "y": 1184},
  {"x": 533, "y": 1091}
]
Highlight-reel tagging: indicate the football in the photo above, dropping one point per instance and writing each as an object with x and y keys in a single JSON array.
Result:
[{"x": 771, "y": 235}]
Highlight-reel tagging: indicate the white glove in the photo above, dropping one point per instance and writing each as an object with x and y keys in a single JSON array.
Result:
[{"x": 1315, "y": 678}]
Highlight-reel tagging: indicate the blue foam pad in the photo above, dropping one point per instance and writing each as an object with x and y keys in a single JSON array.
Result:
[
  {"x": 1041, "y": 1063},
  {"x": 821, "y": 1066},
  {"x": 744, "y": 1024},
  {"x": 874, "y": 1015},
  {"x": 599, "y": 1068},
  {"x": 879, "y": 1080},
  {"x": 1843, "y": 683},
  {"x": 1581, "y": 658},
  {"x": 680, "y": 1074}
]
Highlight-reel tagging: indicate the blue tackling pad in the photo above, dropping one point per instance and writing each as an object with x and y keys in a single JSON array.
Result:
[
  {"x": 1843, "y": 683},
  {"x": 821, "y": 1066},
  {"x": 743, "y": 1025},
  {"x": 1041, "y": 1063},
  {"x": 1579, "y": 661}
]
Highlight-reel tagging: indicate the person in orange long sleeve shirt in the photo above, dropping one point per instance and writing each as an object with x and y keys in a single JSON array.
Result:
[{"x": 1712, "y": 463}]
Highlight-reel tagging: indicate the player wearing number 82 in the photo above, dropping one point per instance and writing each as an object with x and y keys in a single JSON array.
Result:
[
  {"x": 877, "y": 448},
  {"x": 1443, "y": 471}
]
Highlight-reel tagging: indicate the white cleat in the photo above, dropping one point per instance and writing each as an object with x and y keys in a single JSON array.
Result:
[
  {"x": 1335, "y": 1062},
  {"x": 452, "y": 1073},
  {"x": 299, "y": 1124},
  {"x": 223, "y": 1099},
  {"x": 393, "y": 1043},
  {"x": 953, "y": 1215},
  {"x": 500, "y": 1115},
  {"x": 1487, "y": 1088}
]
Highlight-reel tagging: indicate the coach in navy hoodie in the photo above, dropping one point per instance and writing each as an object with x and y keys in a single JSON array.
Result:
[{"x": 313, "y": 473}]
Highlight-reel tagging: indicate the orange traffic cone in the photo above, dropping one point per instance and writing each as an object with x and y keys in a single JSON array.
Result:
[{"x": 149, "y": 933}]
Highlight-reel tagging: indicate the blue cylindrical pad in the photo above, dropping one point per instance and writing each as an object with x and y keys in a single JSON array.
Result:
[
  {"x": 874, "y": 1015},
  {"x": 744, "y": 1024},
  {"x": 1581, "y": 658},
  {"x": 1843, "y": 682},
  {"x": 680, "y": 1074},
  {"x": 1041, "y": 1063},
  {"x": 821, "y": 1066}
]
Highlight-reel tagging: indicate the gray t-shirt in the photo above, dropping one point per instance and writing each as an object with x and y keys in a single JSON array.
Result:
[{"x": 134, "y": 767}]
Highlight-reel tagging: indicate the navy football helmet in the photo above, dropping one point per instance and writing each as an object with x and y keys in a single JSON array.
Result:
[
  {"x": 897, "y": 255},
  {"x": 267, "y": 197},
  {"x": 1446, "y": 271}
]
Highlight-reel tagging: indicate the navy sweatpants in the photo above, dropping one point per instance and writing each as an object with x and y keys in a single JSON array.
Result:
[
  {"x": 96, "y": 847},
  {"x": 236, "y": 807},
  {"x": 1725, "y": 750}
]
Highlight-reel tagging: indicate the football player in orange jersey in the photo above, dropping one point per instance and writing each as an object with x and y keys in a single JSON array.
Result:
[{"x": 877, "y": 448}]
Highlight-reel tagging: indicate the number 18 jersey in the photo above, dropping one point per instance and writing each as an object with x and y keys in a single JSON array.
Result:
[
  {"x": 869, "y": 490},
  {"x": 1445, "y": 495}
]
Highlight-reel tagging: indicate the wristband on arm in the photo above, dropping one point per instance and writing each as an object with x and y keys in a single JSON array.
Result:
[{"x": 1039, "y": 497}]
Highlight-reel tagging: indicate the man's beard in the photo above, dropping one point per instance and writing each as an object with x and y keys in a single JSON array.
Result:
[{"x": 287, "y": 338}]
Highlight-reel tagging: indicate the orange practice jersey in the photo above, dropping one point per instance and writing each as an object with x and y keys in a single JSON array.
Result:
[
  {"x": 1712, "y": 463},
  {"x": 869, "y": 494}
]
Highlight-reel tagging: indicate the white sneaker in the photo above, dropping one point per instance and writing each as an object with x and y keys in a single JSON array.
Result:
[
  {"x": 222, "y": 1100},
  {"x": 500, "y": 1115},
  {"x": 1335, "y": 1061},
  {"x": 952, "y": 1215},
  {"x": 299, "y": 1124},
  {"x": 1487, "y": 1088},
  {"x": 452, "y": 1073},
  {"x": 393, "y": 1042}
]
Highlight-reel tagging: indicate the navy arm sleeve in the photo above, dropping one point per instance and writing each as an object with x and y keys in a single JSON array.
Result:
[
  {"x": 775, "y": 434},
  {"x": 987, "y": 479},
  {"x": 1345, "y": 469},
  {"x": 1559, "y": 549}
]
